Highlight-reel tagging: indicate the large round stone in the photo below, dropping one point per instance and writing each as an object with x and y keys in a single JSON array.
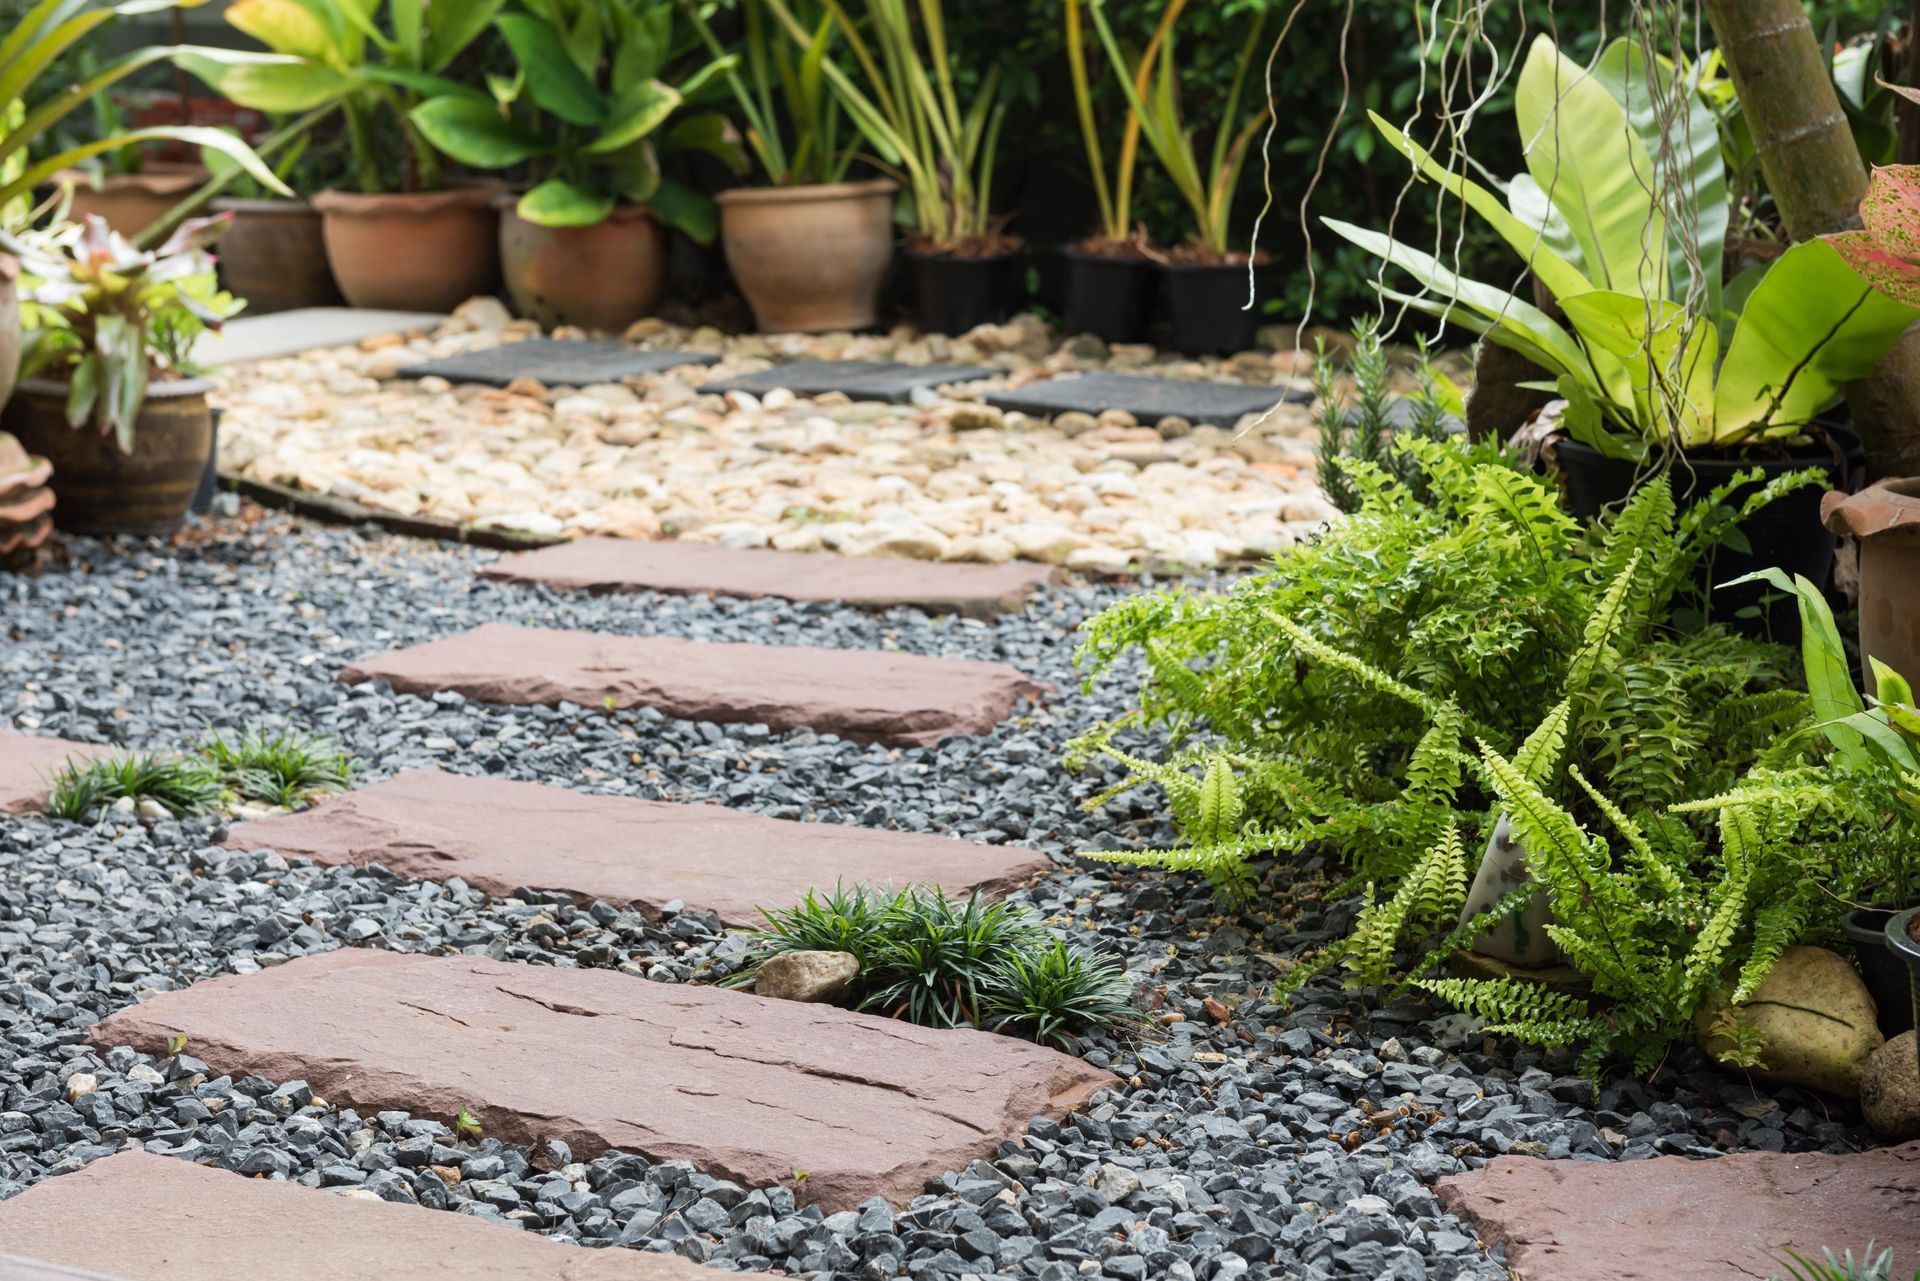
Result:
[
  {"x": 1890, "y": 1089},
  {"x": 807, "y": 976},
  {"x": 1816, "y": 1022}
]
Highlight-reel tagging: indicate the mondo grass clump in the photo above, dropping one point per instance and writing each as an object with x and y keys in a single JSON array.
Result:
[
  {"x": 182, "y": 785},
  {"x": 948, "y": 963},
  {"x": 279, "y": 767}
]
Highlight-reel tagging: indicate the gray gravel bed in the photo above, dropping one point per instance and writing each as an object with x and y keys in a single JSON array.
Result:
[{"x": 1249, "y": 1140}]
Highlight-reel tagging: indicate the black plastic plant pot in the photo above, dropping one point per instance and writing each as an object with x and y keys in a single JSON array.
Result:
[
  {"x": 1903, "y": 940},
  {"x": 210, "y": 478},
  {"x": 1885, "y": 974},
  {"x": 954, "y": 293},
  {"x": 1110, "y": 296},
  {"x": 1208, "y": 306},
  {"x": 1786, "y": 534}
]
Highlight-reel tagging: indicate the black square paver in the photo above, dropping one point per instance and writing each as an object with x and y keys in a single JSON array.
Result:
[
  {"x": 556, "y": 362},
  {"x": 1147, "y": 399},
  {"x": 884, "y": 380}
]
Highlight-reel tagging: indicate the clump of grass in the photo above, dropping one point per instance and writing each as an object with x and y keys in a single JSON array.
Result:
[
  {"x": 1869, "y": 1267},
  {"x": 181, "y": 784},
  {"x": 279, "y": 767},
  {"x": 941, "y": 962}
]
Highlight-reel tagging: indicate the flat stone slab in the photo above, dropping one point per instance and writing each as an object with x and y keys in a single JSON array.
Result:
[
  {"x": 861, "y": 694},
  {"x": 557, "y": 362},
  {"x": 869, "y": 582},
  {"x": 159, "y": 1218},
  {"x": 746, "y": 1088},
  {"x": 1731, "y": 1218},
  {"x": 1147, "y": 399},
  {"x": 288, "y": 333},
  {"x": 501, "y": 836},
  {"x": 26, "y": 763},
  {"x": 15, "y": 1268},
  {"x": 886, "y": 380}
]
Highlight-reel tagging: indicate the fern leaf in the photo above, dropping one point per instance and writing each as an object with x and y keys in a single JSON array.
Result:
[
  {"x": 1603, "y": 629},
  {"x": 1539, "y": 757}
]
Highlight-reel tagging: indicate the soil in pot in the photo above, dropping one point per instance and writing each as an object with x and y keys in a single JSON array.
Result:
[
  {"x": 810, "y": 259},
  {"x": 130, "y": 202},
  {"x": 1885, "y": 974},
  {"x": 274, "y": 255},
  {"x": 959, "y": 289},
  {"x": 1786, "y": 533},
  {"x": 1110, "y": 291},
  {"x": 100, "y": 490},
  {"x": 601, "y": 277},
  {"x": 1207, "y": 302},
  {"x": 1885, "y": 517},
  {"x": 412, "y": 251}
]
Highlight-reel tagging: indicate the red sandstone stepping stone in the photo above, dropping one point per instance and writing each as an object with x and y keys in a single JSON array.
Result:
[
  {"x": 861, "y": 694},
  {"x": 500, "y": 836},
  {"x": 26, "y": 762},
  {"x": 1731, "y": 1218},
  {"x": 744, "y": 1087},
  {"x": 157, "y": 1218},
  {"x": 870, "y": 582}
]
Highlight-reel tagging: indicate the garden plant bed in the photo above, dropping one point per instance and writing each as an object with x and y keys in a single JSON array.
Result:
[{"x": 1244, "y": 1139}]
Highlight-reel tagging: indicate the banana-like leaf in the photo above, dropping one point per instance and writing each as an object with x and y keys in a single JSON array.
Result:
[
  {"x": 475, "y": 133},
  {"x": 637, "y": 111},
  {"x": 1535, "y": 212},
  {"x": 190, "y": 135},
  {"x": 555, "y": 203},
  {"x": 1809, "y": 327},
  {"x": 1669, "y": 354},
  {"x": 1585, "y": 155},
  {"x": 271, "y": 82},
  {"x": 553, "y": 79},
  {"x": 1697, "y": 206}
]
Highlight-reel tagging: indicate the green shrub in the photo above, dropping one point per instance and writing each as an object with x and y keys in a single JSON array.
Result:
[
  {"x": 279, "y": 767},
  {"x": 181, "y": 784},
  {"x": 938, "y": 962}
]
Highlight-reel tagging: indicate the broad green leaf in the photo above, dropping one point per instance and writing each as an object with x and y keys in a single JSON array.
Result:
[
  {"x": 1535, "y": 212},
  {"x": 475, "y": 133},
  {"x": 409, "y": 25},
  {"x": 696, "y": 84},
  {"x": 1889, "y": 686},
  {"x": 637, "y": 112},
  {"x": 286, "y": 26},
  {"x": 188, "y": 135},
  {"x": 552, "y": 78},
  {"x": 426, "y": 83},
  {"x": 267, "y": 81},
  {"x": 452, "y": 25},
  {"x": 1584, "y": 154},
  {"x": 562, "y": 204},
  {"x": 1584, "y": 422},
  {"x": 1824, "y": 658},
  {"x": 683, "y": 208},
  {"x": 711, "y": 132},
  {"x": 1809, "y": 327},
  {"x": 643, "y": 47},
  {"x": 1669, "y": 355}
]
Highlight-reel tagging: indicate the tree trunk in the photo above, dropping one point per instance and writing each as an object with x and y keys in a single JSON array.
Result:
[{"x": 1807, "y": 153}]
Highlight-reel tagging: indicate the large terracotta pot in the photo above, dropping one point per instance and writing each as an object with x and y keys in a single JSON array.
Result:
[
  {"x": 1885, "y": 517},
  {"x": 810, "y": 259},
  {"x": 9, "y": 326},
  {"x": 601, "y": 277},
  {"x": 411, "y": 251},
  {"x": 131, "y": 201},
  {"x": 274, "y": 255},
  {"x": 101, "y": 490}
]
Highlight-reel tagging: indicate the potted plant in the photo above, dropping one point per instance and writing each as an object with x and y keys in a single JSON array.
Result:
[
  {"x": 1207, "y": 279},
  {"x": 274, "y": 252},
  {"x": 1655, "y": 361},
  {"x": 1112, "y": 276},
  {"x": 402, "y": 237},
  {"x": 906, "y": 106},
  {"x": 587, "y": 109},
  {"x": 810, "y": 251},
  {"x": 118, "y": 411},
  {"x": 127, "y": 185}
]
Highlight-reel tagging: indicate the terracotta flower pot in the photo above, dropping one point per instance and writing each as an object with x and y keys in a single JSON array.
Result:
[
  {"x": 1885, "y": 517},
  {"x": 9, "y": 326},
  {"x": 26, "y": 504},
  {"x": 412, "y": 251},
  {"x": 101, "y": 490},
  {"x": 601, "y": 277},
  {"x": 810, "y": 259},
  {"x": 275, "y": 256},
  {"x": 131, "y": 201}
]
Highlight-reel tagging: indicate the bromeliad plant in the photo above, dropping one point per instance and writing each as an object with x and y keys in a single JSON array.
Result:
[
  {"x": 1152, "y": 88},
  {"x": 905, "y": 103},
  {"x": 587, "y": 107},
  {"x": 808, "y": 143},
  {"x": 1621, "y": 217},
  {"x": 108, "y": 317}
]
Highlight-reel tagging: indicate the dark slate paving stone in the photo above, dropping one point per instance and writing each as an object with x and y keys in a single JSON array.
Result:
[
  {"x": 555, "y": 362},
  {"x": 1148, "y": 399},
  {"x": 885, "y": 380}
]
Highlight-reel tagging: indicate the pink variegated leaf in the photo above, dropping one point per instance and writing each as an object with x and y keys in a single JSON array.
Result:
[
  {"x": 196, "y": 233},
  {"x": 1894, "y": 277},
  {"x": 1891, "y": 211},
  {"x": 1905, "y": 91}
]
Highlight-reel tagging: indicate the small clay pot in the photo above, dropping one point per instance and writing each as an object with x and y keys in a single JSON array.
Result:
[
  {"x": 1903, "y": 940},
  {"x": 810, "y": 259},
  {"x": 101, "y": 490},
  {"x": 601, "y": 277},
  {"x": 274, "y": 255},
  {"x": 412, "y": 251},
  {"x": 1885, "y": 517},
  {"x": 131, "y": 202}
]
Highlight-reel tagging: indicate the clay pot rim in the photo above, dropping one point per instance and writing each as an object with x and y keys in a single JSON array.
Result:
[
  {"x": 157, "y": 183},
  {"x": 157, "y": 388},
  {"x": 409, "y": 203},
  {"x": 806, "y": 193},
  {"x": 623, "y": 215},
  {"x": 261, "y": 205}
]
